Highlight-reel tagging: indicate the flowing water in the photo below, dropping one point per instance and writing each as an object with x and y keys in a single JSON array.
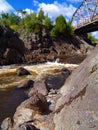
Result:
[{"x": 10, "y": 97}]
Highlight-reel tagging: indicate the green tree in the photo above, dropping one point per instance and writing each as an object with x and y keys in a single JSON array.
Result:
[
  {"x": 60, "y": 26},
  {"x": 47, "y": 22},
  {"x": 92, "y": 38},
  {"x": 41, "y": 15},
  {"x": 10, "y": 19},
  {"x": 69, "y": 29}
]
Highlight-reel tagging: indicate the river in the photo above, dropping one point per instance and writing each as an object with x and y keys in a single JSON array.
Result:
[{"x": 10, "y": 97}]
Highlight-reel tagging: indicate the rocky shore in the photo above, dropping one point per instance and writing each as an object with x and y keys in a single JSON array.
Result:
[
  {"x": 65, "y": 101},
  {"x": 37, "y": 111}
]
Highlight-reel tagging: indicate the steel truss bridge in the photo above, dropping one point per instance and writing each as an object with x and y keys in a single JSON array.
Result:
[{"x": 85, "y": 18}]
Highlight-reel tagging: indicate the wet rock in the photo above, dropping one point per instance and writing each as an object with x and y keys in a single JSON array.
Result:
[
  {"x": 22, "y": 71},
  {"x": 6, "y": 124},
  {"x": 78, "y": 106},
  {"x": 54, "y": 82},
  {"x": 40, "y": 87},
  {"x": 26, "y": 84},
  {"x": 65, "y": 72}
]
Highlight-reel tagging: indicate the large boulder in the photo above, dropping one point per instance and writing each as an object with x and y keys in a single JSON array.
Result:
[
  {"x": 77, "y": 109},
  {"x": 54, "y": 82}
]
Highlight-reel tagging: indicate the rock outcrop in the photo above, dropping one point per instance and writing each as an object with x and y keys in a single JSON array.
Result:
[
  {"x": 77, "y": 109},
  {"x": 16, "y": 48},
  {"x": 11, "y": 47},
  {"x": 46, "y": 48}
]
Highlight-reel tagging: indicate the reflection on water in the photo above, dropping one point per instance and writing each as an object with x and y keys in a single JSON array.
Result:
[
  {"x": 10, "y": 97},
  {"x": 9, "y": 100}
]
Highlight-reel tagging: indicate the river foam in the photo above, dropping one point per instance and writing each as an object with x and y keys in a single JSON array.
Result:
[{"x": 9, "y": 79}]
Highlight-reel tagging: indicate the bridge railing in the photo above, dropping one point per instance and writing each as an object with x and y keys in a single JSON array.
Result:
[
  {"x": 86, "y": 22},
  {"x": 85, "y": 14}
]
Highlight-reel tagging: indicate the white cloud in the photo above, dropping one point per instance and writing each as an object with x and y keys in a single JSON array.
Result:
[
  {"x": 29, "y": 11},
  {"x": 56, "y": 9},
  {"x": 95, "y": 34},
  {"x": 35, "y": 2},
  {"x": 5, "y": 6}
]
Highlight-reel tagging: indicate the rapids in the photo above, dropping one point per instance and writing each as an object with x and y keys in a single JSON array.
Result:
[{"x": 9, "y": 79}]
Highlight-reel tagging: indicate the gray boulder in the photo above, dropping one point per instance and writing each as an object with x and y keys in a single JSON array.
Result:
[{"x": 77, "y": 109}]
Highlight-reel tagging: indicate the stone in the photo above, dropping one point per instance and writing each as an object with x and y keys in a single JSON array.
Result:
[
  {"x": 40, "y": 87},
  {"x": 77, "y": 109},
  {"x": 65, "y": 72},
  {"x": 22, "y": 115},
  {"x": 6, "y": 124},
  {"x": 22, "y": 71},
  {"x": 54, "y": 82},
  {"x": 26, "y": 84},
  {"x": 37, "y": 102}
]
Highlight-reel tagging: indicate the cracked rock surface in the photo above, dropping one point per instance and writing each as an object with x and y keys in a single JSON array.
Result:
[{"x": 77, "y": 109}]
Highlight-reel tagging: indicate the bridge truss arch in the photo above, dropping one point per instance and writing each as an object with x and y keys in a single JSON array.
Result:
[{"x": 86, "y": 13}]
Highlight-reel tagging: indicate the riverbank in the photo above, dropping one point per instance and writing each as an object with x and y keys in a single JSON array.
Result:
[{"x": 10, "y": 97}]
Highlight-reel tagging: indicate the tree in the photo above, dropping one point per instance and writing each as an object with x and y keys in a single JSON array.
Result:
[
  {"x": 60, "y": 26},
  {"x": 41, "y": 15},
  {"x": 47, "y": 22},
  {"x": 69, "y": 29}
]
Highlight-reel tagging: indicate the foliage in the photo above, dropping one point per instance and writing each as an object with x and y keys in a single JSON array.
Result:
[
  {"x": 10, "y": 19},
  {"x": 47, "y": 22},
  {"x": 35, "y": 22},
  {"x": 69, "y": 29},
  {"x": 14, "y": 27},
  {"x": 92, "y": 38},
  {"x": 60, "y": 26},
  {"x": 41, "y": 15}
]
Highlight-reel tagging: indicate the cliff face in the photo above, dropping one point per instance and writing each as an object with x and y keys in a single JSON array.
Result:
[
  {"x": 35, "y": 48},
  {"x": 43, "y": 47},
  {"x": 11, "y": 47},
  {"x": 77, "y": 109}
]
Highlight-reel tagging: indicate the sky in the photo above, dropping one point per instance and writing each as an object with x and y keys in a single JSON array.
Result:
[{"x": 51, "y": 7}]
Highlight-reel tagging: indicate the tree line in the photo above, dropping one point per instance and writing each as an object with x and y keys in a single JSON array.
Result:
[{"x": 34, "y": 22}]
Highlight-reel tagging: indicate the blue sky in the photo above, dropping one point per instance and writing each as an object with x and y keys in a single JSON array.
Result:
[{"x": 51, "y": 7}]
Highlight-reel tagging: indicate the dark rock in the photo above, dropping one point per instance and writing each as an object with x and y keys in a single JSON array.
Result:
[
  {"x": 12, "y": 47},
  {"x": 12, "y": 56},
  {"x": 22, "y": 71},
  {"x": 6, "y": 124},
  {"x": 27, "y": 126},
  {"x": 40, "y": 87},
  {"x": 54, "y": 82},
  {"x": 37, "y": 102},
  {"x": 26, "y": 84},
  {"x": 65, "y": 72}
]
